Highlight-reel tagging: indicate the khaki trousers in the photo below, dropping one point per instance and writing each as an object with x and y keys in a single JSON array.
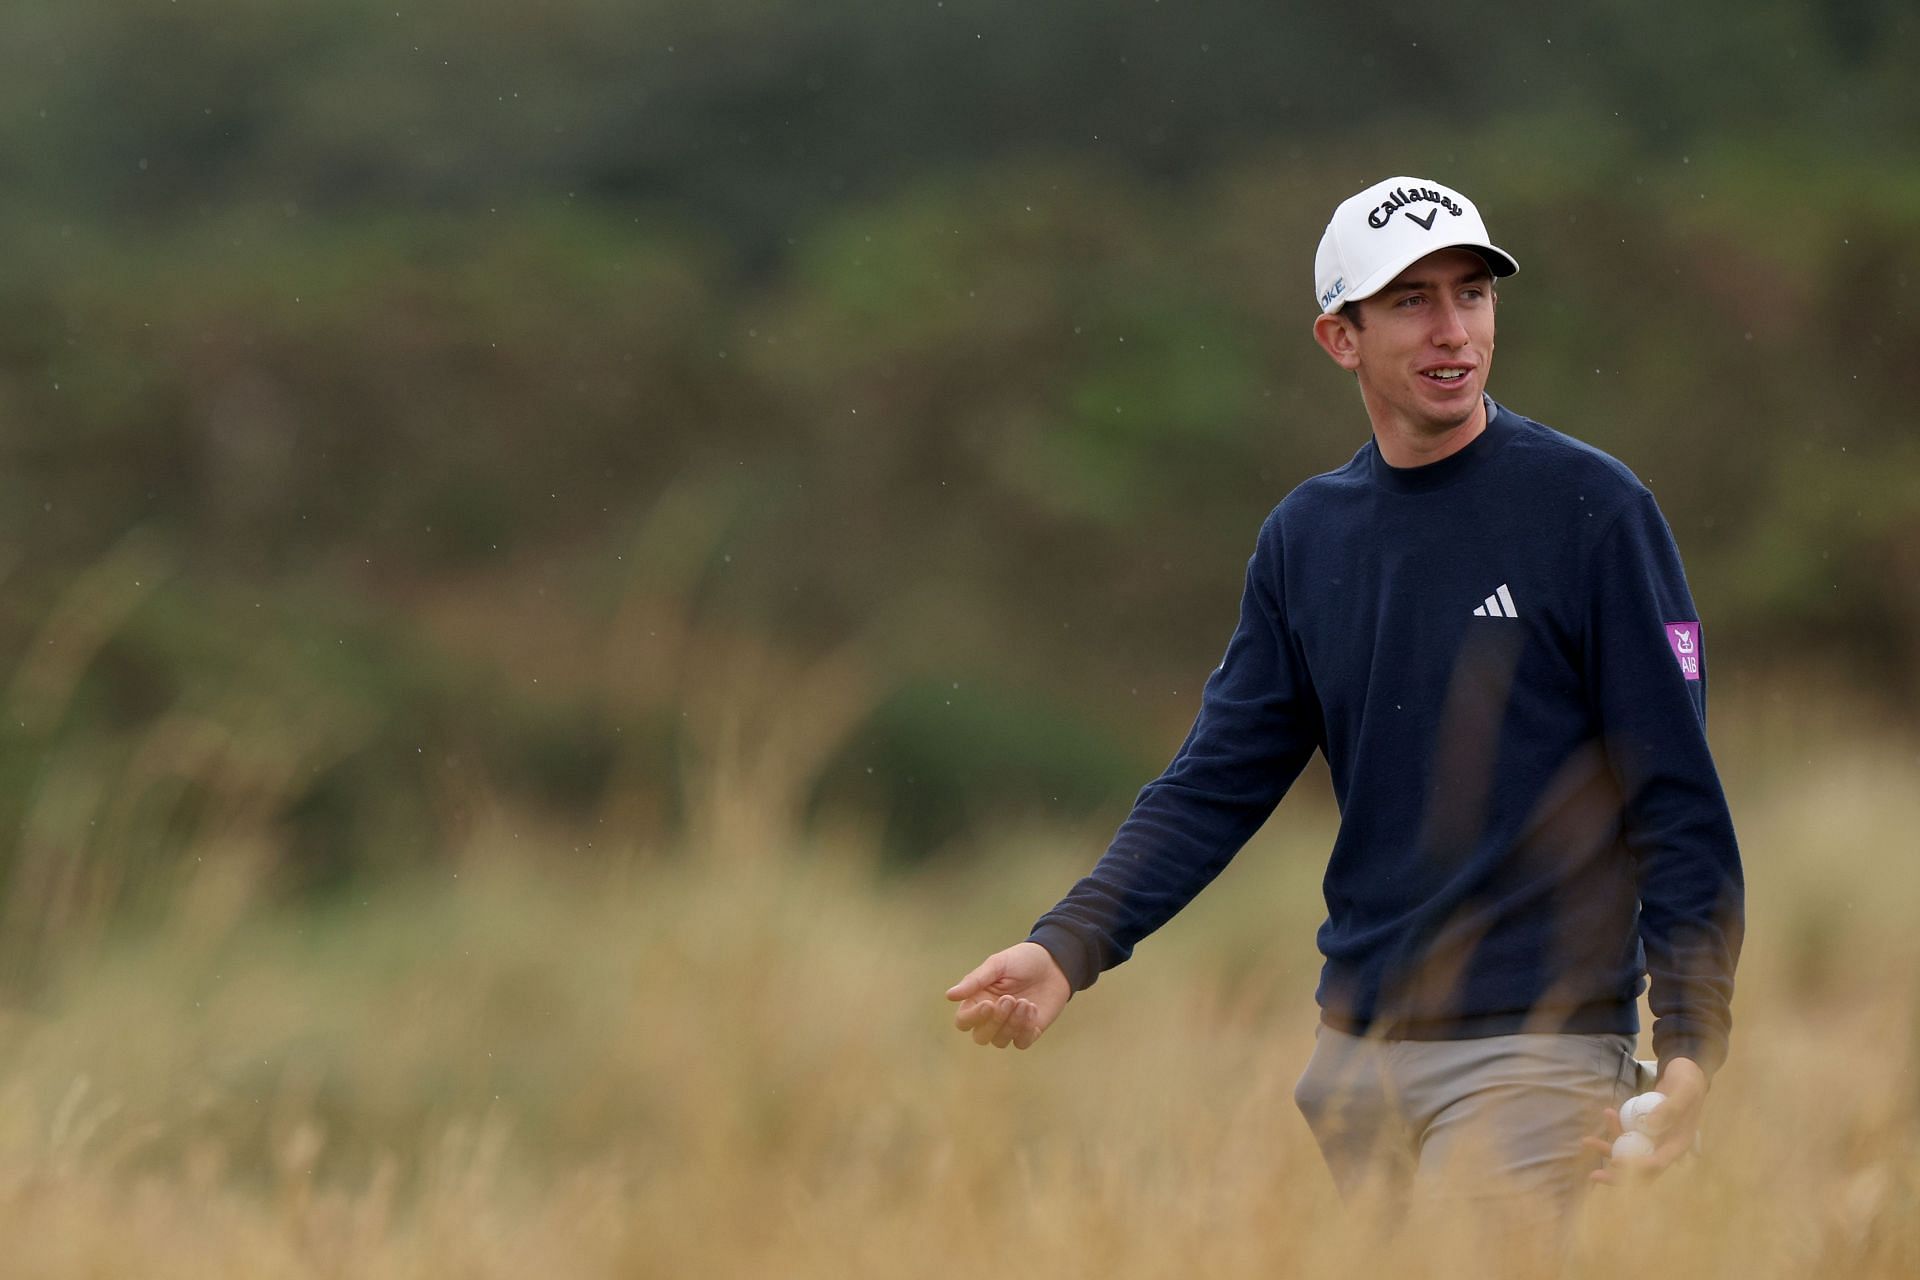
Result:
[{"x": 1492, "y": 1124}]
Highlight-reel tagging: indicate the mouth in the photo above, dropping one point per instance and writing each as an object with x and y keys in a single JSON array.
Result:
[{"x": 1447, "y": 375}]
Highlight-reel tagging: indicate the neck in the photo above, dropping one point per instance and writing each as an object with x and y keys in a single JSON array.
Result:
[{"x": 1408, "y": 444}]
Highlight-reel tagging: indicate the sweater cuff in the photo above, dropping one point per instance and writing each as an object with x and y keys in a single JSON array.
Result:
[
  {"x": 1073, "y": 955},
  {"x": 1708, "y": 1054}
]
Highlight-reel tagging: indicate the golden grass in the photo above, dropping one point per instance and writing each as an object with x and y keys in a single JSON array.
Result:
[{"x": 698, "y": 1066}]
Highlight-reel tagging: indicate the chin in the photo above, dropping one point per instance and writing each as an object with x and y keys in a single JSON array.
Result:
[
  {"x": 1456, "y": 413},
  {"x": 1442, "y": 420}
]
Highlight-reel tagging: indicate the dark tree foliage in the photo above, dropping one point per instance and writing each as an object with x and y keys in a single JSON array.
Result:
[{"x": 465, "y": 377}]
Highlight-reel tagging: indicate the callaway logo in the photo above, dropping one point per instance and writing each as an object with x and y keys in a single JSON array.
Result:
[{"x": 1402, "y": 197}]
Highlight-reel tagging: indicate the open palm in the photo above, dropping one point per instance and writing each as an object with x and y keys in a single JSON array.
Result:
[{"x": 1012, "y": 997}]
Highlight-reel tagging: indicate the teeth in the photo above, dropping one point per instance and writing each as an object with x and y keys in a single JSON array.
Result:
[{"x": 1448, "y": 375}]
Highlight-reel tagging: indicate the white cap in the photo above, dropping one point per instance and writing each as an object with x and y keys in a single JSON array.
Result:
[{"x": 1379, "y": 233}]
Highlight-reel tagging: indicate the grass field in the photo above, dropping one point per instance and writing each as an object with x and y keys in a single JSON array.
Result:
[{"x": 739, "y": 1062}]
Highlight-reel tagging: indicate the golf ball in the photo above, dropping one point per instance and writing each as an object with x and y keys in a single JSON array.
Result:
[
  {"x": 1641, "y": 1114},
  {"x": 1632, "y": 1146}
]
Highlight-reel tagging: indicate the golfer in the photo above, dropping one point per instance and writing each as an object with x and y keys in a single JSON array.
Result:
[{"x": 1484, "y": 627}]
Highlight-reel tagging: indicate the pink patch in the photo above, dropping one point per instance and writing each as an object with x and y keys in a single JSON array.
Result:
[{"x": 1685, "y": 639}]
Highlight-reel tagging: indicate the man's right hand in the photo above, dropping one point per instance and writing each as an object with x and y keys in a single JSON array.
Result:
[{"x": 1012, "y": 997}]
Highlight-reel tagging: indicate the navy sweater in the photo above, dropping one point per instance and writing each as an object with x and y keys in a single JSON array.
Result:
[{"x": 1499, "y": 657}]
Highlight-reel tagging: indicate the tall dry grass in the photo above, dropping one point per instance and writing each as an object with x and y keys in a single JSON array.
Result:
[{"x": 696, "y": 1065}]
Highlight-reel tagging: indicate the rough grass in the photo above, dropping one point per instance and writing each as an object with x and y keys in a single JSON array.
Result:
[{"x": 742, "y": 1065}]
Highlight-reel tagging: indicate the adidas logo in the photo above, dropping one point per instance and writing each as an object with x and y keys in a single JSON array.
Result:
[{"x": 1498, "y": 605}]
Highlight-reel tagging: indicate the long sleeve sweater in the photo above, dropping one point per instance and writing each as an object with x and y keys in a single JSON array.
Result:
[{"x": 1499, "y": 657}]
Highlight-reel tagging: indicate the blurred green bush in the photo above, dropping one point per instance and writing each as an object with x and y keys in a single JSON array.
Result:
[{"x": 410, "y": 412}]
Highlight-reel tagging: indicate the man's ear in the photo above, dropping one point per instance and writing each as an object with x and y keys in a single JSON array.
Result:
[{"x": 1334, "y": 332}]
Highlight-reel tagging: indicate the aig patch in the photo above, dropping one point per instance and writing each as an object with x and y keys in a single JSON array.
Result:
[{"x": 1685, "y": 639}]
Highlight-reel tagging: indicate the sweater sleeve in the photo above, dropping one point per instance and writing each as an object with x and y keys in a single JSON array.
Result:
[
  {"x": 1647, "y": 680},
  {"x": 1258, "y": 724}
]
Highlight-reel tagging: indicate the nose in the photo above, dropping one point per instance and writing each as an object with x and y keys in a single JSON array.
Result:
[{"x": 1449, "y": 330}]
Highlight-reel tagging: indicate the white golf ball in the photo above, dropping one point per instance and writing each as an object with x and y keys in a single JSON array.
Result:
[
  {"x": 1641, "y": 1114},
  {"x": 1632, "y": 1146}
]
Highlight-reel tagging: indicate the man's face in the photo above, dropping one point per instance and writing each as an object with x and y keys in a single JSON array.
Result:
[{"x": 1423, "y": 344}]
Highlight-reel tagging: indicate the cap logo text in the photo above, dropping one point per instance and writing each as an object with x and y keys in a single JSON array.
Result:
[
  {"x": 1401, "y": 197},
  {"x": 1334, "y": 290}
]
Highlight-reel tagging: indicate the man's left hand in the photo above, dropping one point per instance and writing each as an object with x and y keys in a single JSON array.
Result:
[{"x": 1685, "y": 1085}]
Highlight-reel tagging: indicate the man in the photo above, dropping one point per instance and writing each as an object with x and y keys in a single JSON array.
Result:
[{"x": 1484, "y": 627}]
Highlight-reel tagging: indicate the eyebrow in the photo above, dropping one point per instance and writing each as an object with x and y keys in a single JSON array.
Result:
[{"x": 1413, "y": 286}]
